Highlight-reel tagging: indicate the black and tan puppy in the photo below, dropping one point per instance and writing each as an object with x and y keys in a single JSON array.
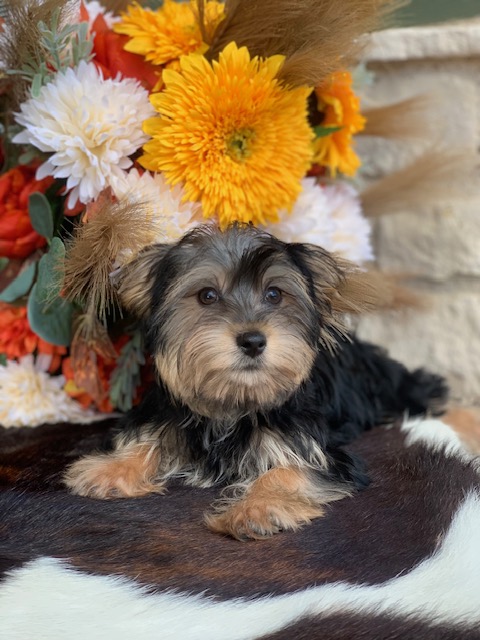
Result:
[{"x": 258, "y": 385}]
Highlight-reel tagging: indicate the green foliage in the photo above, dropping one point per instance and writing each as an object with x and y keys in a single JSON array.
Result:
[
  {"x": 58, "y": 48},
  {"x": 41, "y": 214},
  {"x": 49, "y": 315},
  {"x": 50, "y": 273},
  {"x": 20, "y": 286},
  {"x": 3, "y": 360},
  {"x": 53, "y": 321},
  {"x": 126, "y": 375},
  {"x": 4, "y": 263},
  {"x": 322, "y": 132},
  {"x": 28, "y": 156}
]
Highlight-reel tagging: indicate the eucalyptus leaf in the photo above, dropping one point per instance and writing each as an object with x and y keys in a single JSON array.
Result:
[
  {"x": 50, "y": 273},
  {"x": 322, "y": 132},
  {"x": 41, "y": 214},
  {"x": 28, "y": 156},
  {"x": 126, "y": 376},
  {"x": 3, "y": 263},
  {"x": 20, "y": 286},
  {"x": 36, "y": 85},
  {"x": 53, "y": 323},
  {"x": 3, "y": 360}
]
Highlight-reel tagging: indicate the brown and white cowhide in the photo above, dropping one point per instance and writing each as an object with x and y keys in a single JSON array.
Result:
[{"x": 399, "y": 560}]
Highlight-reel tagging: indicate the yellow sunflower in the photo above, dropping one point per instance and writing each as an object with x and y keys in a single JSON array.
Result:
[
  {"x": 237, "y": 139},
  {"x": 168, "y": 33},
  {"x": 341, "y": 111}
]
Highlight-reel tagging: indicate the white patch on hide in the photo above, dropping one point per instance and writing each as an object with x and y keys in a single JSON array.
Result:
[
  {"x": 435, "y": 435},
  {"x": 46, "y": 600}
]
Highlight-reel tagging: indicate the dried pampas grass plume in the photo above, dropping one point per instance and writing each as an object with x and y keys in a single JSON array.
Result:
[
  {"x": 432, "y": 177},
  {"x": 371, "y": 290},
  {"x": 20, "y": 36},
  {"x": 410, "y": 119},
  {"x": 316, "y": 36},
  {"x": 112, "y": 229},
  {"x": 117, "y": 6}
]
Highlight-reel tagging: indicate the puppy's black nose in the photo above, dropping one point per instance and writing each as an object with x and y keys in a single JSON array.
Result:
[{"x": 252, "y": 343}]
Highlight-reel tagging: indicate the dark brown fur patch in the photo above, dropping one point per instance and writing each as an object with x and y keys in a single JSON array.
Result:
[{"x": 162, "y": 541}]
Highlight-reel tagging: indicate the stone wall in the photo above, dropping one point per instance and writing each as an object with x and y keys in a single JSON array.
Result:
[{"x": 440, "y": 242}]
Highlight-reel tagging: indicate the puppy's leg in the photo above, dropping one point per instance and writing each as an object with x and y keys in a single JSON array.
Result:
[
  {"x": 281, "y": 499},
  {"x": 129, "y": 471}
]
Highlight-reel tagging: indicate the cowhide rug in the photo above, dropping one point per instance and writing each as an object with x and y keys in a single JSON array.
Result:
[{"x": 399, "y": 560}]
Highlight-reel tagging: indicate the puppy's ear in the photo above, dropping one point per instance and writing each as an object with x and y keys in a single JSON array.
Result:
[
  {"x": 136, "y": 279},
  {"x": 346, "y": 287},
  {"x": 371, "y": 290}
]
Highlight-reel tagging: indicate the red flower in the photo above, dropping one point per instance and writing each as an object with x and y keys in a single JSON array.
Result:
[
  {"x": 17, "y": 338},
  {"x": 18, "y": 239},
  {"x": 111, "y": 58}
]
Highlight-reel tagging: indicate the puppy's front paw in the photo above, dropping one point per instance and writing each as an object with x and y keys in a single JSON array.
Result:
[
  {"x": 254, "y": 519},
  {"x": 114, "y": 475}
]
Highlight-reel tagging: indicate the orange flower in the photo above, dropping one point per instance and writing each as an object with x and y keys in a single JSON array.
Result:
[
  {"x": 98, "y": 365},
  {"x": 104, "y": 368},
  {"x": 111, "y": 58},
  {"x": 340, "y": 108},
  {"x": 17, "y": 338},
  {"x": 18, "y": 239}
]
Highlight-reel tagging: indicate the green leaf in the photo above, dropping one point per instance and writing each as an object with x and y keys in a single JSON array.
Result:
[
  {"x": 20, "y": 286},
  {"x": 3, "y": 360},
  {"x": 28, "y": 156},
  {"x": 50, "y": 273},
  {"x": 36, "y": 85},
  {"x": 322, "y": 132},
  {"x": 41, "y": 214},
  {"x": 3, "y": 263},
  {"x": 52, "y": 323},
  {"x": 126, "y": 376}
]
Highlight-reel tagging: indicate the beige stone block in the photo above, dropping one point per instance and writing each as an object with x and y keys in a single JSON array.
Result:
[
  {"x": 437, "y": 245},
  {"x": 451, "y": 40},
  {"x": 439, "y": 241},
  {"x": 444, "y": 339},
  {"x": 450, "y": 122}
]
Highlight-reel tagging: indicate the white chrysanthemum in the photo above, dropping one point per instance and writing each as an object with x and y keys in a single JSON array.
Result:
[
  {"x": 352, "y": 235},
  {"x": 170, "y": 217},
  {"x": 308, "y": 220},
  {"x": 329, "y": 216},
  {"x": 29, "y": 396},
  {"x": 91, "y": 125},
  {"x": 94, "y": 9}
]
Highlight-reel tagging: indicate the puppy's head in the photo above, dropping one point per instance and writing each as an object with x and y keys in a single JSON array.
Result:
[{"x": 235, "y": 319}]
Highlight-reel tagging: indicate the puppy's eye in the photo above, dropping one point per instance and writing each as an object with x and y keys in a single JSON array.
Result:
[
  {"x": 273, "y": 295},
  {"x": 208, "y": 296}
]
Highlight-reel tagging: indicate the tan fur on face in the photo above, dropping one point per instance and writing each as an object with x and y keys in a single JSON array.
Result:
[
  {"x": 128, "y": 472},
  {"x": 205, "y": 368},
  {"x": 281, "y": 499}
]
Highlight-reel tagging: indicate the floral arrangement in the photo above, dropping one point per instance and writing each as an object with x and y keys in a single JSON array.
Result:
[{"x": 125, "y": 128}]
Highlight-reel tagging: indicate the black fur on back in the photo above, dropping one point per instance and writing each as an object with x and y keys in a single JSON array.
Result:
[{"x": 349, "y": 391}]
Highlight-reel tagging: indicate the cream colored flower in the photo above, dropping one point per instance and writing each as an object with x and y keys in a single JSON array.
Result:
[
  {"x": 29, "y": 396},
  {"x": 168, "y": 215},
  {"x": 351, "y": 237},
  {"x": 308, "y": 220},
  {"x": 329, "y": 216},
  {"x": 91, "y": 125}
]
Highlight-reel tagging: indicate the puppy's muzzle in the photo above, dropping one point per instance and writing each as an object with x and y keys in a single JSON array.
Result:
[{"x": 252, "y": 343}]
